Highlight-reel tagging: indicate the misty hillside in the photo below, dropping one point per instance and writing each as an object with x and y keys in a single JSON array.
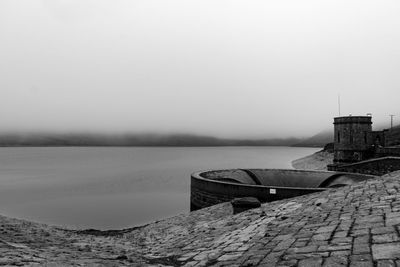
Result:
[
  {"x": 318, "y": 140},
  {"x": 134, "y": 140}
]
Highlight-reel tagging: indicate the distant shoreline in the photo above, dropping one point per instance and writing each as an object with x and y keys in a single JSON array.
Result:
[
  {"x": 15, "y": 146},
  {"x": 140, "y": 140}
]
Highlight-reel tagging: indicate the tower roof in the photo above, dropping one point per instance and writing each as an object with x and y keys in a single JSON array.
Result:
[{"x": 353, "y": 119}]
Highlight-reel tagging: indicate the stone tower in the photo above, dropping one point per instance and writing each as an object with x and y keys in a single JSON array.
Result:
[{"x": 352, "y": 138}]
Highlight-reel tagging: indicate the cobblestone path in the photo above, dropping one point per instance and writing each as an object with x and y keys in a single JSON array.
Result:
[{"x": 350, "y": 226}]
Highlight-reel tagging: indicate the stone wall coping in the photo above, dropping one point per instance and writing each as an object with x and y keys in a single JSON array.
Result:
[
  {"x": 369, "y": 161},
  {"x": 197, "y": 175}
]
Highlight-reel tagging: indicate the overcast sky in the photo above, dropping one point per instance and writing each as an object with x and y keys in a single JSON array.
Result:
[{"x": 225, "y": 68}]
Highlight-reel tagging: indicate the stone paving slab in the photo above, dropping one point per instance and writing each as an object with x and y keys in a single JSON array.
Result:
[{"x": 355, "y": 225}]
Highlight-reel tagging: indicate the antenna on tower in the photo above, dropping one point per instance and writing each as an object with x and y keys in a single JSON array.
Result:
[
  {"x": 339, "y": 103},
  {"x": 391, "y": 121}
]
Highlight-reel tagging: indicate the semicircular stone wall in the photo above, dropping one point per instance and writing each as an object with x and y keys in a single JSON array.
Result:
[{"x": 216, "y": 186}]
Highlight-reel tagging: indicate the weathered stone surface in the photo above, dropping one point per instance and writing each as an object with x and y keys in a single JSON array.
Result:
[
  {"x": 385, "y": 238},
  {"x": 336, "y": 261},
  {"x": 386, "y": 251},
  {"x": 386, "y": 263},
  {"x": 312, "y": 262}
]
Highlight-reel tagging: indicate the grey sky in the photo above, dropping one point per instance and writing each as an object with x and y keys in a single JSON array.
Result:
[{"x": 226, "y": 68}]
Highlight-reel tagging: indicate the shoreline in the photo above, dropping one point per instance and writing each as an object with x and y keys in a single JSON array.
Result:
[{"x": 317, "y": 161}]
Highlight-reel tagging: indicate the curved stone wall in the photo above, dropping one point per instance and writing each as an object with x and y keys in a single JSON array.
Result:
[{"x": 212, "y": 187}]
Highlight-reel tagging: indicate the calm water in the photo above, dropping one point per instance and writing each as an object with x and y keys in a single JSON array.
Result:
[{"x": 116, "y": 187}]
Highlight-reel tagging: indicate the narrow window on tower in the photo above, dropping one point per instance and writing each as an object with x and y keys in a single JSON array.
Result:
[
  {"x": 365, "y": 137},
  {"x": 338, "y": 137}
]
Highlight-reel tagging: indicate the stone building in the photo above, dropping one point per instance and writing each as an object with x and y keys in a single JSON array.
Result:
[
  {"x": 356, "y": 142},
  {"x": 352, "y": 140}
]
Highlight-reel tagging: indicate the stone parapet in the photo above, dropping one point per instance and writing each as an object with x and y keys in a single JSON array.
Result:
[
  {"x": 377, "y": 166},
  {"x": 353, "y": 119}
]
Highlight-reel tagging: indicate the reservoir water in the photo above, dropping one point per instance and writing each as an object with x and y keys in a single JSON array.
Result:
[{"x": 116, "y": 187}]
